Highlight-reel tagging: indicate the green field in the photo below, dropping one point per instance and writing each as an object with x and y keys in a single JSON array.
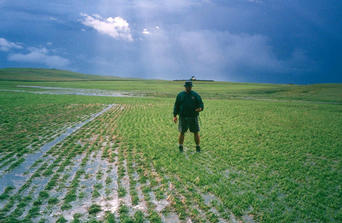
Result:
[{"x": 270, "y": 153}]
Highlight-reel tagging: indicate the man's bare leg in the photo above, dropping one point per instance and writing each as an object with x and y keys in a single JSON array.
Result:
[
  {"x": 181, "y": 138},
  {"x": 197, "y": 141},
  {"x": 197, "y": 138},
  {"x": 181, "y": 141}
]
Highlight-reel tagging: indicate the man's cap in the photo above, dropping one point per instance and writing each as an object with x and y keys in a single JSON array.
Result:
[{"x": 188, "y": 84}]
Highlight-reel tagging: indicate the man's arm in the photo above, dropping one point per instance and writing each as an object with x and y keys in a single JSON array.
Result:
[
  {"x": 176, "y": 109},
  {"x": 200, "y": 103}
]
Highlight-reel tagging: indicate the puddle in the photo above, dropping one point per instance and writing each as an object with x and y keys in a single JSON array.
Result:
[
  {"x": 108, "y": 194},
  {"x": 59, "y": 92},
  {"x": 79, "y": 205},
  {"x": 208, "y": 198},
  {"x": 72, "y": 91},
  {"x": 111, "y": 202},
  {"x": 142, "y": 203},
  {"x": 17, "y": 177},
  {"x": 160, "y": 204},
  {"x": 248, "y": 219},
  {"x": 125, "y": 183},
  {"x": 170, "y": 218}
]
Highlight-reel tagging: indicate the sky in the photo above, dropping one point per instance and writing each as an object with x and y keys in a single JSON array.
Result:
[{"x": 261, "y": 41}]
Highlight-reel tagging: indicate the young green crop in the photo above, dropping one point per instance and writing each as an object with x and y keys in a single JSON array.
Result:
[
  {"x": 29, "y": 121},
  {"x": 270, "y": 161},
  {"x": 255, "y": 153}
]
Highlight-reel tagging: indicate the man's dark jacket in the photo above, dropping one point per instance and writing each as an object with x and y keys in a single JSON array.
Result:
[{"x": 186, "y": 103}]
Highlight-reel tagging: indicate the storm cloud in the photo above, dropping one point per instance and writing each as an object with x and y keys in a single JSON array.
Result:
[{"x": 239, "y": 40}]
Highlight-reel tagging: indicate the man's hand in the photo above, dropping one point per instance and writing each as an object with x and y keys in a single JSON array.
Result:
[
  {"x": 175, "y": 119},
  {"x": 198, "y": 109}
]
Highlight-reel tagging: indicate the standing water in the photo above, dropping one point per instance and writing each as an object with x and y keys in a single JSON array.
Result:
[{"x": 17, "y": 178}]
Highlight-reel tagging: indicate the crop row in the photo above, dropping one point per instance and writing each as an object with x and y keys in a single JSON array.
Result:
[
  {"x": 91, "y": 176},
  {"x": 25, "y": 128},
  {"x": 259, "y": 160}
]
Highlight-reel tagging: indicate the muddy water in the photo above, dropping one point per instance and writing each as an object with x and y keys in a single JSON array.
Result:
[{"x": 17, "y": 177}]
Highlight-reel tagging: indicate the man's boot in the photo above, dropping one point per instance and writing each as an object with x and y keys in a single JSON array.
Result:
[
  {"x": 198, "y": 148},
  {"x": 180, "y": 148}
]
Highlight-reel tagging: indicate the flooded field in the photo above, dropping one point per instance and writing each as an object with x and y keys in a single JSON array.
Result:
[
  {"x": 16, "y": 176},
  {"x": 87, "y": 173},
  {"x": 83, "y": 176},
  {"x": 69, "y": 91},
  {"x": 68, "y": 157}
]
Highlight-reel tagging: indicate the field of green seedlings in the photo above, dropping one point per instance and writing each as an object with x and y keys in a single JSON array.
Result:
[
  {"x": 275, "y": 157},
  {"x": 26, "y": 125},
  {"x": 323, "y": 93}
]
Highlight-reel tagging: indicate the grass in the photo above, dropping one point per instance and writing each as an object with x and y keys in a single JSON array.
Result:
[
  {"x": 94, "y": 208},
  {"x": 122, "y": 191},
  {"x": 269, "y": 152},
  {"x": 109, "y": 218},
  {"x": 273, "y": 153},
  {"x": 324, "y": 93},
  {"x": 28, "y": 121},
  {"x": 53, "y": 200},
  {"x": 5, "y": 194}
]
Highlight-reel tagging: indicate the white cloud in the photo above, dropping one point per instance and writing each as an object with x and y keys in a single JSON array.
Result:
[
  {"x": 41, "y": 56},
  {"x": 117, "y": 27},
  {"x": 145, "y": 31},
  {"x": 53, "y": 18},
  {"x": 7, "y": 45},
  {"x": 151, "y": 30}
]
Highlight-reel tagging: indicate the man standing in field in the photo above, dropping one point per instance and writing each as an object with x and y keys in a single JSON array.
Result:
[{"x": 188, "y": 105}]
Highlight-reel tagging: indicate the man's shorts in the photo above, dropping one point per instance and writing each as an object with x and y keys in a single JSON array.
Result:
[{"x": 186, "y": 123}]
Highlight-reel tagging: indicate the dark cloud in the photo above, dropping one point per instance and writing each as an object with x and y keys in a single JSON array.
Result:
[{"x": 238, "y": 40}]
